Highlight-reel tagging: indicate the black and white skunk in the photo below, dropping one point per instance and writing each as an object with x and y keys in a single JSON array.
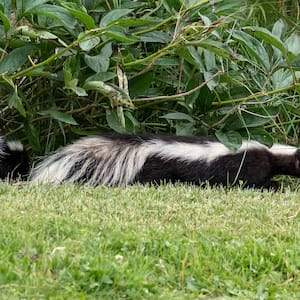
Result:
[
  {"x": 14, "y": 162},
  {"x": 126, "y": 159}
]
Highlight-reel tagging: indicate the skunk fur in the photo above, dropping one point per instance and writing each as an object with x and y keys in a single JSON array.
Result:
[
  {"x": 126, "y": 159},
  {"x": 14, "y": 162}
]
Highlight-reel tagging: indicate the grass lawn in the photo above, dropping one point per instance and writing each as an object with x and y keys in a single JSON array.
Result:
[{"x": 171, "y": 242}]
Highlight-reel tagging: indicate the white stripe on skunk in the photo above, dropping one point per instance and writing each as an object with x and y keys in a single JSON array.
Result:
[
  {"x": 14, "y": 162},
  {"x": 126, "y": 159}
]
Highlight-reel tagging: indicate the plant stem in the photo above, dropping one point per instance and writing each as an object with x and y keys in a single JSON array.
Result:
[
  {"x": 180, "y": 95},
  {"x": 152, "y": 56},
  {"x": 154, "y": 27},
  {"x": 86, "y": 36},
  {"x": 283, "y": 123},
  {"x": 257, "y": 95}
]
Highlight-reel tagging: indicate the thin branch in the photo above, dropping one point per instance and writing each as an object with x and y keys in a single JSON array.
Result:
[
  {"x": 283, "y": 123},
  {"x": 257, "y": 95},
  {"x": 180, "y": 95},
  {"x": 228, "y": 114}
]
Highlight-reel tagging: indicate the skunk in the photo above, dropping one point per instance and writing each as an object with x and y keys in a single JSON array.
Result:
[
  {"x": 14, "y": 161},
  {"x": 126, "y": 159}
]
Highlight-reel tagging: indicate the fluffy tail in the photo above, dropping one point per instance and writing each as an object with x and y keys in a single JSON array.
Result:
[
  {"x": 117, "y": 159},
  {"x": 93, "y": 160}
]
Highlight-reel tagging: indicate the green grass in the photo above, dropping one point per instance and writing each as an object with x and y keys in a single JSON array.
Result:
[{"x": 140, "y": 242}]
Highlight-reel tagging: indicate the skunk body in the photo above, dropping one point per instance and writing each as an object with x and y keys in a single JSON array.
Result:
[
  {"x": 127, "y": 159},
  {"x": 14, "y": 162}
]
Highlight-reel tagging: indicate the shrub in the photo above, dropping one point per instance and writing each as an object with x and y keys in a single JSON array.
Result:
[{"x": 227, "y": 68}]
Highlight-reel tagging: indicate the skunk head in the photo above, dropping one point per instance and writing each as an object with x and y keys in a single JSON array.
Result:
[
  {"x": 297, "y": 163},
  {"x": 293, "y": 164},
  {"x": 14, "y": 162},
  {"x": 286, "y": 160}
]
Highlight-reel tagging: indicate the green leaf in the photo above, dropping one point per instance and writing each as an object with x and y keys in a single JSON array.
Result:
[
  {"x": 266, "y": 36},
  {"x": 5, "y": 21},
  {"x": 211, "y": 83},
  {"x": 172, "y": 6},
  {"x": 59, "y": 116},
  {"x": 203, "y": 102},
  {"x": 192, "y": 98},
  {"x": 97, "y": 63},
  {"x": 101, "y": 76},
  {"x": 210, "y": 60},
  {"x": 107, "y": 50},
  {"x": 70, "y": 82},
  {"x": 282, "y": 78},
  {"x": 80, "y": 92},
  {"x": 83, "y": 132},
  {"x": 126, "y": 22},
  {"x": 184, "y": 128},
  {"x": 54, "y": 12},
  {"x": 120, "y": 36},
  {"x": 231, "y": 139},
  {"x": 193, "y": 57},
  {"x": 132, "y": 124},
  {"x": 89, "y": 43},
  {"x": 246, "y": 120},
  {"x": 113, "y": 16},
  {"x": 214, "y": 46},
  {"x": 292, "y": 108},
  {"x": 192, "y": 3},
  {"x": 100, "y": 63},
  {"x": 113, "y": 121},
  {"x": 33, "y": 136},
  {"x": 229, "y": 6},
  {"x": 167, "y": 61},
  {"x": 82, "y": 16},
  {"x": 156, "y": 37},
  {"x": 293, "y": 43},
  {"x": 140, "y": 85},
  {"x": 15, "y": 59},
  {"x": 260, "y": 135},
  {"x": 15, "y": 101},
  {"x": 253, "y": 46},
  {"x": 178, "y": 116},
  {"x": 279, "y": 28},
  {"x": 30, "y": 4}
]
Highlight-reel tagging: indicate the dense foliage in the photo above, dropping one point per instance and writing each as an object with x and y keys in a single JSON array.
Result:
[{"x": 228, "y": 68}]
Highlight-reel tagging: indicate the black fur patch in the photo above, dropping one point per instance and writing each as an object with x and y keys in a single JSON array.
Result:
[{"x": 14, "y": 163}]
